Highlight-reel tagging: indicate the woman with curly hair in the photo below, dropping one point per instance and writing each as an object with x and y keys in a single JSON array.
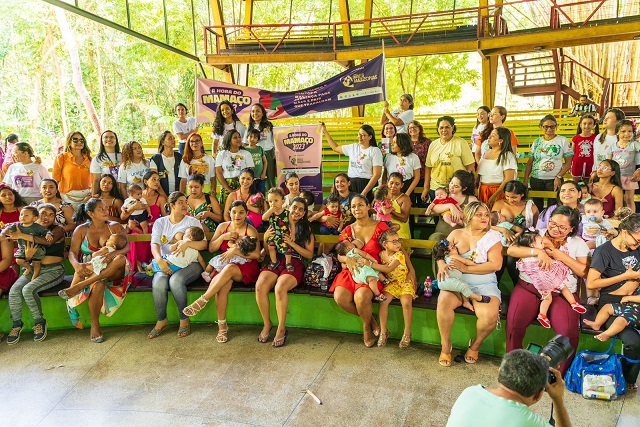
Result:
[
  {"x": 231, "y": 160},
  {"x": 72, "y": 169},
  {"x": 133, "y": 168}
]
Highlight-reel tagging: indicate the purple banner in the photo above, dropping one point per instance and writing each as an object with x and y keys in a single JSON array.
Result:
[{"x": 364, "y": 84}]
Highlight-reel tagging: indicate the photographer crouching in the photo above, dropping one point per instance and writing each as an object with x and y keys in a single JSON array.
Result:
[{"x": 522, "y": 380}]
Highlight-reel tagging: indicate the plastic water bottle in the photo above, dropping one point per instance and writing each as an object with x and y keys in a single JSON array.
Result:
[{"x": 428, "y": 291}]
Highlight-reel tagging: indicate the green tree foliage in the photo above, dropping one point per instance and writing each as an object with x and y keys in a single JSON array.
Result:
[{"x": 134, "y": 85}]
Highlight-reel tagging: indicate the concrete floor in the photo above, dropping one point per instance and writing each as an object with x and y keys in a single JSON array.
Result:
[{"x": 131, "y": 381}]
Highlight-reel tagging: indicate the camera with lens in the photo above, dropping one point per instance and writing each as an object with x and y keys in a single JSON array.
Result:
[{"x": 556, "y": 351}]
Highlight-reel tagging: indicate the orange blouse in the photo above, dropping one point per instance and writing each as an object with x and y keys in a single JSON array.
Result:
[{"x": 70, "y": 175}]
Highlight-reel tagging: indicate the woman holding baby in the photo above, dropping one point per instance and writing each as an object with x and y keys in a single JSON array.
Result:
[
  {"x": 356, "y": 298},
  {"x": 301, "y": 240},
  {"x": 461, "y": 189},
  {"x": 478, "y": 243},
  {"x": 167, "y": 238},
  {"x": 561, "y": 242},
  {"x": 615, "y": 273},
  {"x": 224, "y": 239},
  {"x": 107, "y": 295}
]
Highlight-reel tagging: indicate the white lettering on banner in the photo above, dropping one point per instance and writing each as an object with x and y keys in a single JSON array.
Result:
[{"x": 359, "y": 93}]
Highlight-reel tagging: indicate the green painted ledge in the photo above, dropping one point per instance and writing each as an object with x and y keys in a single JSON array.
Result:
[{"x": 305, "y": 311}]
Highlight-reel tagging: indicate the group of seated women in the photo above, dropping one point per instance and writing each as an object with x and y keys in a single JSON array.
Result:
[{"x": 171, "y": 199}]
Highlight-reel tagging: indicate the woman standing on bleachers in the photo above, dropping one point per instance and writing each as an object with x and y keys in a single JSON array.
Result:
[
  {"x": 221, "y": 282},
  {"x": 184, "y": 126},
  {"x": 446, "y": 155},
  {"x": 133, "y": 168},
  {"x": 196, "y": 161},
  {"x": 388, "y": 132},
  {"x": 168, "y": 231},
  {"x": 545, "y": 170},
  {"x": 107, "y": 161},
  {"x": 356, "y": 298},
  {"x": 497, "y": 117},
  {"x": 404, "y": 161},
  {"x": 226, "y": 120},
  {"x": 477, "y": 242},
  {"x": 482, "y": 121},
  {"x": 260, "y": 121},
  {"x": 301, "y": 242},
  {"x": 420, "y": 147},
  {"x": 613, "y": 264},
  {"x": 51, "y": 274},
  {"x": 562, "y": 243},
  {"x": 497, "y": 166},
  {"x": 167, "y": 163},
  {"x": 400, "y": 117},
  {"x": 71, "y": 170},
  {"x": 365, "y": 160},
  {"x": 26, "y": 173},
  {"x": 231, "y": 160}
]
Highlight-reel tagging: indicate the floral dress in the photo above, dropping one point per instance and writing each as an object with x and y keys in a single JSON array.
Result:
[
  {"x": 399, "y": 285},
  {"x": 204, "y": 207}
]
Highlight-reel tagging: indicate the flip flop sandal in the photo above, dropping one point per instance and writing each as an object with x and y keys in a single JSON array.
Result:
[
  {"x": 184, "y": 331},
  {"x": 155, "y": 333},
  {"x": 263, "y": 339},
  {"x": 97, "y": 340},
  {"x": 281, "y": 342}
]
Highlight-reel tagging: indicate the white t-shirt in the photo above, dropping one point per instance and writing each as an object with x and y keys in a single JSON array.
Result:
[
  {"x": 238, "y": 125},
  {"x": 602, "y": 151},
  {"x": 548, "y": 156},
  {"x": 266, "y": 138},
  {"x": 205, "y": 166},
  {"x": 493, "y": 173},
  {"x": 233, "y": 163},
  {"x": 107, "y": 164},
  {"x": 164, "y": 231},
  {"x": 362, "y": 161},
  {"x": 26, "y": 179},
  {"x": 130, "y": 201},
  {"x": 576, "y": 248},
  {"x": 405, "y": 116},
  {"x": 170, "y": 166},
  {"x": 133, "y": 173},
  {"x": 407, "y": 166},
  {"x": 187, "y": 127}
]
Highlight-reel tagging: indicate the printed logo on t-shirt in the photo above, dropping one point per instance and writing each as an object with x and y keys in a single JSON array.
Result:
[
  {"x": 630, "y": 261},
  {"x": 24, "y": 181},
  {"x": 201, "y": 168}
]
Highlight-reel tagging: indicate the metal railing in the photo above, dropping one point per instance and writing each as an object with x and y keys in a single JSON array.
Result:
[{"x": 490, "y": 21}]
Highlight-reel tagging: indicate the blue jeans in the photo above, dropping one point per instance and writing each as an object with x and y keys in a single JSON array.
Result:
[
  {"x": 261, "y": 186},
  {"x": 181, "y": 147},
  {"x": 155, "y": 267},
  {"x": 177, "y": 284},
  {"x": 328, "y": 231}
]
